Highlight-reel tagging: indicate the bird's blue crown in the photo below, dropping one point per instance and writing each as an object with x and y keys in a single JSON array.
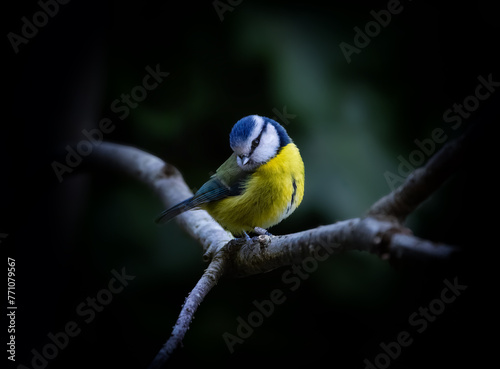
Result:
[{"x": 244, "y": 127}]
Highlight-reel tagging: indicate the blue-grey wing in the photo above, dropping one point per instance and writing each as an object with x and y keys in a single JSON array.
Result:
[{"x": 213, "y": 190}]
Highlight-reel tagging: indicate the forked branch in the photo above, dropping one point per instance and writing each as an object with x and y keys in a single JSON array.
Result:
[{"x": 380, "y": 232}]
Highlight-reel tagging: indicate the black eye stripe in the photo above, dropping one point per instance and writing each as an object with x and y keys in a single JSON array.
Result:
[{"x": 256, "y": 141}]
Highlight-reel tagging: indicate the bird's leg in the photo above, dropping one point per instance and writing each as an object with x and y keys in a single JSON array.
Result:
[
  {"x": 244, "y": 238},
  {"x": 261, "y": 231}
]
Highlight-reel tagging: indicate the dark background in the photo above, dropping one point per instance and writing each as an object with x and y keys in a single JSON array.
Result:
[{"x": 352, "y": 122}]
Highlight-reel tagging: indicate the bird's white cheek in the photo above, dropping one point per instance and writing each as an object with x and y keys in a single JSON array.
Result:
[{"x": 263, "y": 154}]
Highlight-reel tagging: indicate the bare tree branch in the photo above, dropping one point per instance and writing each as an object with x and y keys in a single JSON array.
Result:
[
  {"x": 381, "y": 232},
  {"x": 422, "y": 182},
  {"x": 207, "y": 281},
  {"x": 167, "y": 182},
  {"x": 387, "y": 239}
]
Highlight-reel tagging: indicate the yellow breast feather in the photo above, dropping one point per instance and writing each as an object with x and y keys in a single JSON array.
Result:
[{"x": 269, "y": 195}]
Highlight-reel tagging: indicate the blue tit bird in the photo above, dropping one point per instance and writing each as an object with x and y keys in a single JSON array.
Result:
[{"x": 260, "y": 184}]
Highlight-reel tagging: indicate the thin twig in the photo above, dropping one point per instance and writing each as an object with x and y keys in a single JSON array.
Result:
[{"x": 208, "y": 280}]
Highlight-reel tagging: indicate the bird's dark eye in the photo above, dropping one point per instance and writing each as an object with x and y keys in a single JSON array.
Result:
[{"x": 255, "y": 143}]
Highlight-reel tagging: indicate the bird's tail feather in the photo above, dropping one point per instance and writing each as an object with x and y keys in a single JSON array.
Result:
[{"x": 175, "y": 210}]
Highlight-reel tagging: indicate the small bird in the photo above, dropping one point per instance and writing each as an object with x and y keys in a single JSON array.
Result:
[{"x": 260, "y": 184}]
